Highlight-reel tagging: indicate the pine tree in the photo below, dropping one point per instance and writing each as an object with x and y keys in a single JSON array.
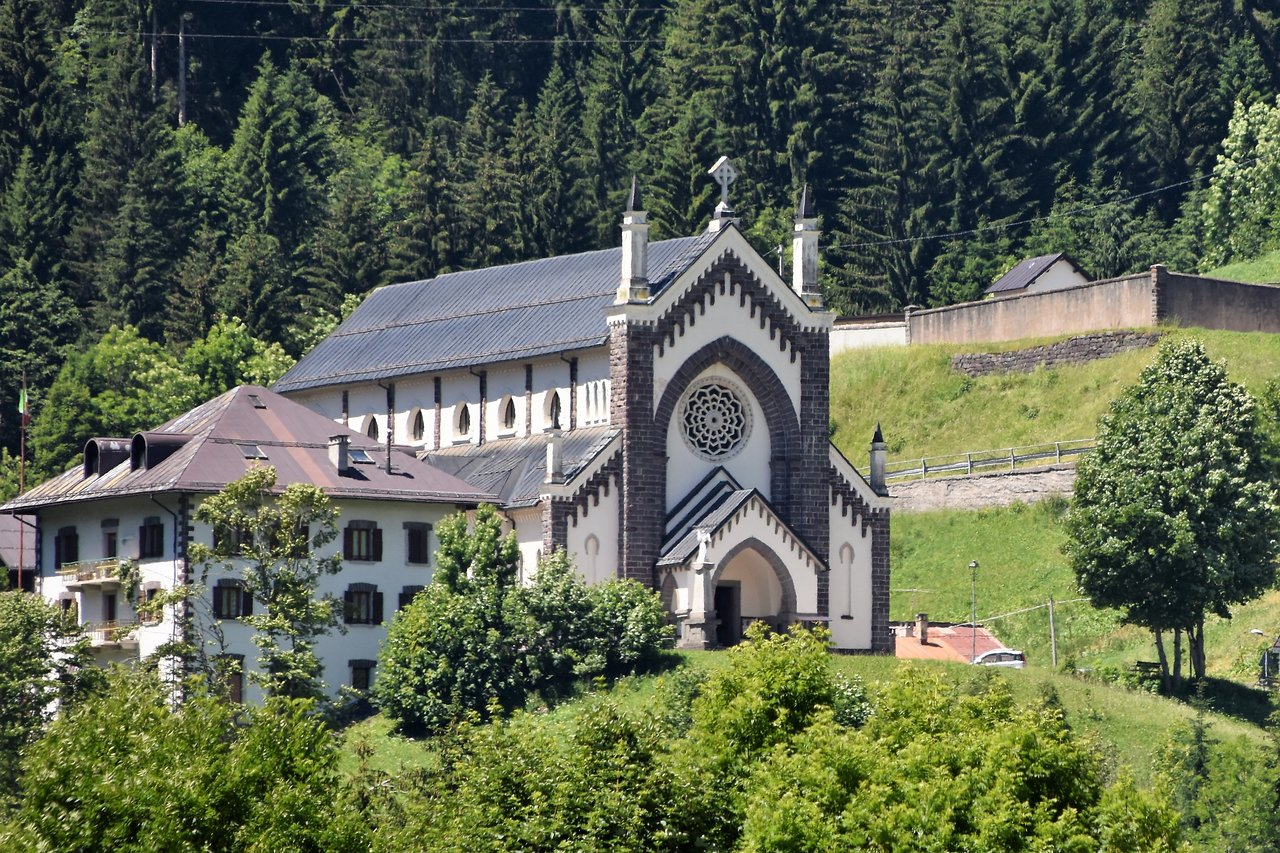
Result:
[
  {"x": 420, "y": 238},
  {"x": 486, "y": 229},
  {"x": 559, "y": 200}
]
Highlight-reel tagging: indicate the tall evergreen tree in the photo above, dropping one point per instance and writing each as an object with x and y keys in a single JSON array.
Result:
[
  {"x": 486, "y": 228},
  {"x": 420, "y": 238},
  {"x": 559, "y": 203}
]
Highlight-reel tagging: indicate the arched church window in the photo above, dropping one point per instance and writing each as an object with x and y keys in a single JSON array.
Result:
[
  {"x": 371, "y": 429},
  {"x": 463, "y": 426},
  {"x": 419, "y": 428},
  {"x": 553, "y": 413},
  {"x": 509, "y": 415},
  {"x": 715, "y": 419}
]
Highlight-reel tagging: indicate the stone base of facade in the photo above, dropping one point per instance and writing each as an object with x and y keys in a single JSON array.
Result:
[{"x": 698, "y": 632}]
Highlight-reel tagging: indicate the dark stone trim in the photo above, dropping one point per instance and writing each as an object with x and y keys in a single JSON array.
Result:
[
  {"x": 528, "y": 399},
  {"x": 346, "y": 409},
  {"x": 435, "y": 387},
  {"x": 644, "y": 463},
  {"x": 573, "y": 393},
  {"x": 483, "y": 376}
]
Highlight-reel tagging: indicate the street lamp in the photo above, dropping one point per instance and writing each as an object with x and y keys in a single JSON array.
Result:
[{"x": 973, "y": 624}]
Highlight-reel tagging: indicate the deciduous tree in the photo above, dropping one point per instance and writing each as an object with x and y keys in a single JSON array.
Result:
[{"x": 1174, "y": 514}]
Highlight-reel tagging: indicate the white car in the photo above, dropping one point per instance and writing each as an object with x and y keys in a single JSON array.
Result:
[{"x": 1002, "y": 657}]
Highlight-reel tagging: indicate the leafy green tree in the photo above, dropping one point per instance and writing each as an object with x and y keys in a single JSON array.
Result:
[
  {"x": 127, "y": 770},
  {"x": 451, "y": 652},
  {"x": 271, "y": 539},
  {"x": 47, "y": 666},
  {"x": 229, "y": 356},
  {"x": 1239, "y": 213},
  {"x": 1174, "y": 512},
  {"x": 120, "y": 385}
]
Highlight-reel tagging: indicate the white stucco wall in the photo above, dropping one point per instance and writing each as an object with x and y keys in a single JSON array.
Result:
[
  {"x": 860, "y": 335},
  {"x": 750, "y": 466},
  {"x": 850, "y": 585},
  {"x": 593, "y": 540}
]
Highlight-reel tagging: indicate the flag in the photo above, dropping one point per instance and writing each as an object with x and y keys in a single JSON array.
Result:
[{"x": 22, "y": 407}]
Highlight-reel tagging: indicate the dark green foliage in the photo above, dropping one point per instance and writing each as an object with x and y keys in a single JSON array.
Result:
[
  {"x": 126, "y": 771},
  {"x": 476, "y": 643},
  {"x": 119, "y": 386},
  {"x": 46, "y": 664},
  {"x": 1174, "y": 513}
]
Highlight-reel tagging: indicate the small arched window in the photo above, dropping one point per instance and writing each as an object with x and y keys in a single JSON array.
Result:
[
  {"x": 371, "y": 429},
  {"x": 419, "y": 427},
  {"x": 553, "y": 414},
  {"x": 464, "y": 419},
  {"x": 509, "y": 415}
]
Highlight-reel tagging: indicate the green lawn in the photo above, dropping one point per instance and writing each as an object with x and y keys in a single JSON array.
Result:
[
  {"x": 927, "y": 409},
  {"x": 1261, "y": 270}
]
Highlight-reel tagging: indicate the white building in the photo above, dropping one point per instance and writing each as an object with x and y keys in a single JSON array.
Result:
[
  {"x": 132, "y": 503},
  {"x": 660, "y": 410}
]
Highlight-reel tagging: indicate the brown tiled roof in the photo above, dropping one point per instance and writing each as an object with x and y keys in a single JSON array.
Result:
[
  {"x": 293, "y": 439},
  {"x": 946, "y": 642}
]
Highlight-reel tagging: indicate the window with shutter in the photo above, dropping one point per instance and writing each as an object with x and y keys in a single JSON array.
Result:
[
  {"x": 151, "y": 538},
  {"x": 362, "y": 541},
  {"x": 417, "y": 544},
  {"x": 406, "y": 596},
  {"x": 362, "y": 605}
]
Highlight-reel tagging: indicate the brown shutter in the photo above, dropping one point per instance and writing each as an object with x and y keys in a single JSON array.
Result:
[
  {"x": 346, "y": 543},
  {"x": 73, "y": 546},
  {"x": 377, "y": 608},
  {"x": 348, "y": 606},
  {"x": 377, "y": 544},
  {"x": 246, "y": 602}
]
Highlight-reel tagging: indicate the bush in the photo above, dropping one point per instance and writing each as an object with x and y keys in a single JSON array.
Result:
[{"x": 629, "y": 625}]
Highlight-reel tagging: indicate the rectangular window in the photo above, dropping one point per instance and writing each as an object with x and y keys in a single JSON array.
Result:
[
  {"x": 362, "y": 674},
  {"x": 109, "y": 607},
  {"x": 110, "y": 540},
  {"x": 418, "y": 546},
  {"x": 231, "y": 600},
  {"x": 362, "y": 605},
  {"x": 150, "y": 615},
  {"x": 406, "y": 596},
  {"x": 229, "y": 671},
  {"x": 66, "y": 546},
  {"x": 151, "y": 539},
  {"x": 362, "y": 540}
]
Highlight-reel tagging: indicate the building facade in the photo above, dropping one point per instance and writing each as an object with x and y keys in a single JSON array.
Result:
[{"x": 658, "y": 409}]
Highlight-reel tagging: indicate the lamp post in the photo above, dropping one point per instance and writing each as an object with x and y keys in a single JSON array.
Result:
[{"x": 973, "y": 624}]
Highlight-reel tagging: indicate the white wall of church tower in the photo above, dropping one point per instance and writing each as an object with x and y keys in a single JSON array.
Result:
[
  {"x": 850, "y": 580},
  {"x": 749, "y": 465}
]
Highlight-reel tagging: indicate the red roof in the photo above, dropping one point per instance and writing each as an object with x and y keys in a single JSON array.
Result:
[
  {"x": 216, "y": 443},
  {"x": 946, "y": 642}
]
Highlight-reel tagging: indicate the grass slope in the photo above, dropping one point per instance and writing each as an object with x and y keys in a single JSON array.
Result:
[
  {"x": 1264, "y": 269},
  {"x": 927, "y": 409}
]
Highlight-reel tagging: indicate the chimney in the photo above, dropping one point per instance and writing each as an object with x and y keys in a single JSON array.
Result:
[
  {"x": 338, "y": 452},
  {"x": 922, "y": 628},
  {"x": 555, "y": 454},
  {"x": 879, "y": 453},
  {"x": 804, "y": 252},
  {"x": 724, "y": 173},
  {"x": 633, "y": 286}
]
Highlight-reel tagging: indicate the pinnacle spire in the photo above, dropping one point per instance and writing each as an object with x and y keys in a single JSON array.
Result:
[
  {"x": 805, "y": 209},
  {"x": 633, "y": 198}
]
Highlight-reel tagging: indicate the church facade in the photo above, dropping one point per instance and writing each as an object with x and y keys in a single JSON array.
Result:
[{"x": 660, "y": 410}]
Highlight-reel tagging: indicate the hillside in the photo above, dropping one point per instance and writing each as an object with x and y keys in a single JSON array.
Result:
[{"x": 927, "y": 409}]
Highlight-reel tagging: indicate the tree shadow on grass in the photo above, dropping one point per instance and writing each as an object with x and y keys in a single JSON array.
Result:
[{"x": 1232, "y": 699}]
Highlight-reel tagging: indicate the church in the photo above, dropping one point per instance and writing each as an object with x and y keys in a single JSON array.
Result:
[{"x": 660, "y": 410}]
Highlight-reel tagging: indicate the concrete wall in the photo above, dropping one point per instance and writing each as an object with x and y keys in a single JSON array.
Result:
[
  {"x": 983, "y": 490},
  {"x": 882, "y": 331},
  {"x": 1119, "y": 303},
  {"x": 1191, "y": 300}
]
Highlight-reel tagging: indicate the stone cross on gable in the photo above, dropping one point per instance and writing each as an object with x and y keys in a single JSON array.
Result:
[{"x": 724, "y": 173}]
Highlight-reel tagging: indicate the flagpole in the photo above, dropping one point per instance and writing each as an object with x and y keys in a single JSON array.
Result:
[{"x": 22, "y": 474}]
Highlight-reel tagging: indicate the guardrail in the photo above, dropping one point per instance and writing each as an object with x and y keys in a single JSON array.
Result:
[
  {"x": 981, "y": 461},
  {"x": 92, "y": 570},
  {"x": 103, "y": 633}
]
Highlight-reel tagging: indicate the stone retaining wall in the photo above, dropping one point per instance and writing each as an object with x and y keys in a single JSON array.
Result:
[
  {"x": 1077, "y": 350},
  {"x": 983, "y": 490}
]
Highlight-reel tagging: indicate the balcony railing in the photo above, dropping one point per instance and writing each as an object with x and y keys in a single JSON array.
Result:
[
  {"x": 115, "y": 634},
  {"x": 91, "y": 571}
]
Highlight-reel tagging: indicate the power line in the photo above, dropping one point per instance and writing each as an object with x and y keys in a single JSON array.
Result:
[
  {"x": 362, "y": 40},
  {"x": 325, "y": 7}
]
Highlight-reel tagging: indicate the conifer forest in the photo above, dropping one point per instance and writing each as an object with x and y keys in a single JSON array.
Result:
[{"x": 183, "y": 179}]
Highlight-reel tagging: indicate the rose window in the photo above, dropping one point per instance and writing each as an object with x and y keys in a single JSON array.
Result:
[{"x": 715, "y": 420}]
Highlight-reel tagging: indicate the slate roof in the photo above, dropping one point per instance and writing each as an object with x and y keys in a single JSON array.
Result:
[
  {"x": 1028, "y": 271},
  {"x": 217, "y": 438},
  {"x": 477, "y": 317},
  {"x": 515, "y": 469},
  {"x": 10, "y": 534}
]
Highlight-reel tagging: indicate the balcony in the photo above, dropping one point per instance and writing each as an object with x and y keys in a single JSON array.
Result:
[
  {"x": 111, "y": 635},
  {"x": 96, "y": 574}
]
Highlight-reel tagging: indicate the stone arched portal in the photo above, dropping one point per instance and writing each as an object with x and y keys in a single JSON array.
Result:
[{"x": 751, "y": 583}]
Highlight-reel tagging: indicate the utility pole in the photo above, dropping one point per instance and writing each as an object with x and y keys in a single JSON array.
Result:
[
  {"x": 973, "y": 625},
  {"x": 1053, "y": 635}
]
